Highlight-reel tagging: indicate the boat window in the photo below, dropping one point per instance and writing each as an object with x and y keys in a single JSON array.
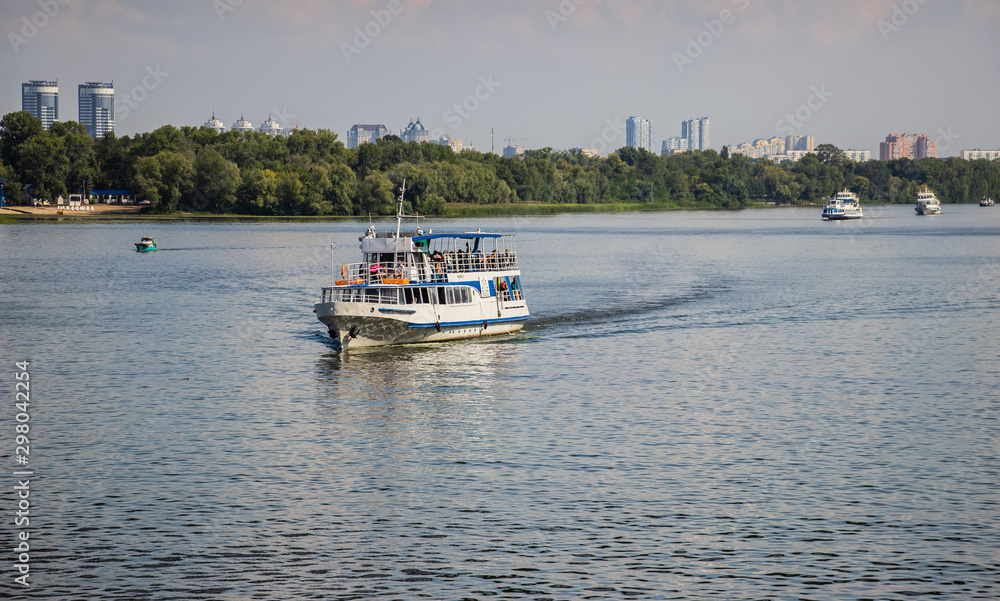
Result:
[
  {"x": 425, "y": 296},
  {"x": 442, "y": 297}
]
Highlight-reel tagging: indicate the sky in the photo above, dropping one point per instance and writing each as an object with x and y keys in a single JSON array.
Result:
[{"x": 556, "y": 73}]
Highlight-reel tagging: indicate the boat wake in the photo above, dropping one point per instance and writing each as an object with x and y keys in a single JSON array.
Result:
[{"x": 627, "y": 309}]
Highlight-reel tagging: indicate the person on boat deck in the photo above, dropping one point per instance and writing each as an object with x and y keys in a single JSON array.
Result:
[
  {"x": 374, "y": 270},
  {"x": 503, "y": 290}
]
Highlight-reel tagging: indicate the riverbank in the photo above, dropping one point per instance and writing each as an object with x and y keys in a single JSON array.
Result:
[{"x": 456, "y": 210}]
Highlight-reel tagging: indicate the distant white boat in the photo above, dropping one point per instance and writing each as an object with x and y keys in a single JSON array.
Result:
[
  {"x": 845, "y": 205},
  {"x": 927, "y": 204},
  {"x": 986, "y": 202}
]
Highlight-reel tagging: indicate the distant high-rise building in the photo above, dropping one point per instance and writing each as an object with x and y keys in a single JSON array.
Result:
[
  {"x": 41, "y": 99},
  {"x": 858, "y": 156},
  {"x": 690, "y": 139},
  {"x": 906, "y": 146},
  {"x": 924, "y": 147},
  {"x": 415, "y": 132},
  {"x": 242, "y": 125},
  {"x": 216, "y": 124},
  {"x": 446, "y": 140},
  {"x": 799, "y": 143},
  {"x": 510, "y": 152},
  {"x": 672, "y": 145},
  {"x": 362, "y": 132},
  {"x": 639, "y": 133},
  {"x": 703, "y": 134},
  {"x": 695, "y": 134},
  {"x": 97, "y": 108},
  {"x": 271, "y": 127}
]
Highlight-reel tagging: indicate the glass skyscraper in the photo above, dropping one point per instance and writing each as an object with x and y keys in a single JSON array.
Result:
[
  {"x": 695, "y": 132},
  {"x": 41, "y": 99},
  {"x": 639, "y": 133},
  {"x": 97, "y": 108}
]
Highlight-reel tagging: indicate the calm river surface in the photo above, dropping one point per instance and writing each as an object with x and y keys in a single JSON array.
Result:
[{"x": 704, "y": 405}]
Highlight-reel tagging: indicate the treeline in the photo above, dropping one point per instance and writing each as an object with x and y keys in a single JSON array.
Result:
[{"x": 313, "y": 173}]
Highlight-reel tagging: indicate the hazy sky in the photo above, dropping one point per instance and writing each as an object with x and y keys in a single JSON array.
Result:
[{"x": 560, "y": 73}]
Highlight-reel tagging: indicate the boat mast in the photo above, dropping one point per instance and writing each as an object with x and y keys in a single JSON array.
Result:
[{"x": 399, "y": 210}]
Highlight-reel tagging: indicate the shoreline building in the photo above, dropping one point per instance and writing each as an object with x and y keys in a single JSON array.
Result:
[
  {"x": 365, "y": 132},
  {"x": 216, "y": 124},
  {"x": 41, "y": 99},
  {"x": 977, "y": 154},
  {"x": 415, "y": 132},
  {"x": 511, "y": 151},
  {"x": 242, "y": 126},
  {"x": 907, "y": 146},
  {"x": 271, "y": 127},
  {"x": 799, "y": 143},
  {"x": 766, "y": 148},
  {"x": 695, "y": 135},
  {"x": 639, "y": 133},
  {"x": 696, "y": 131},
  {"x": 858, "y": 156},
  {"x": 446, "y": 140},
  {"x": 97, "y": 108}
]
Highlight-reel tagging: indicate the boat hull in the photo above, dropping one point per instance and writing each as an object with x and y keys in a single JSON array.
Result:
[
  {"x": 364, "y": 325},
  {"x": 841, "y": 217},
  {"x": 928, "y": 211}
]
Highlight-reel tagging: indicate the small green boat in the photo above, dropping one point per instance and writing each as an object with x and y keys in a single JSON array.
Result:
[{"x": 146, "y": 245}]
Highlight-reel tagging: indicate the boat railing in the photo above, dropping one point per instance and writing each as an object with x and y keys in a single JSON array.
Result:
[
  {"x": 423, "y": 295},
  {"x": 358, "y": 274}
]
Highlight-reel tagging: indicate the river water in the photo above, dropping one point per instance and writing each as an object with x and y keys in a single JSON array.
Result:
[{"x": 730, "y": 405}]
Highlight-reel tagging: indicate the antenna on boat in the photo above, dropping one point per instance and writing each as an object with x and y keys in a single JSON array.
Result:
[
  {"x": 400, "y": 214},
  {"x": 399, "y": 210}
]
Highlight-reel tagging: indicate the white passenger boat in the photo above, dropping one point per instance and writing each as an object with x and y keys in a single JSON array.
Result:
[
  {"x": 844, "y": 205},
  {"x": 986, "y": 202},
  {"x": 414, "y": 287},
  {"x": 927, "y": 203}
]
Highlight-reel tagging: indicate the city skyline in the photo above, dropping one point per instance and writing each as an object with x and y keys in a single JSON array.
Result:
[{"x": 558, "y": 74}]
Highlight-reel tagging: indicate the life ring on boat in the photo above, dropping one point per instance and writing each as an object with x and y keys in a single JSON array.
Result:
[
  {"x": 343, "y": 271},
  {"x": 437, "y": 325}
]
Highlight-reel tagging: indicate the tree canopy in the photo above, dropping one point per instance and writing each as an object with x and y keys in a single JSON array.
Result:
[{"x": 310, "y": 172}]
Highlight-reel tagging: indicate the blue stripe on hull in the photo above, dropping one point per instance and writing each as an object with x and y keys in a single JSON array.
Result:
[{"x": 449, "y": 324}]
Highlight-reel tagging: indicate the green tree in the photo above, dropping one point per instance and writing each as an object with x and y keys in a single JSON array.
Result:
[
  {"x": 375, "y": 195},
  {"x": 165, "y": 179},
  {"x": 43, "y": 165},
  {"x": 16, "y": 129},
  {"x": 215, "y": 183},
  {"x": 829, "y": 154}
]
